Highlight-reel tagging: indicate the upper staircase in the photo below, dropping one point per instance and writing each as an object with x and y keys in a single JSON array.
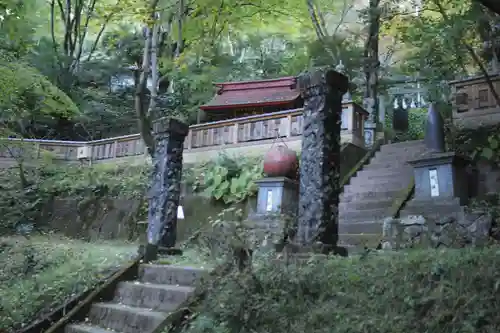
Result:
[{"x": 368, "y": 198}]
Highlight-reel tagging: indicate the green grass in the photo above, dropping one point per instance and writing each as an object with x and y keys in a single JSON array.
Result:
[
  {"x": 431, "y": 291},
  {"x": 40, "y": 273},
  {"x": 190, "y": 257}
]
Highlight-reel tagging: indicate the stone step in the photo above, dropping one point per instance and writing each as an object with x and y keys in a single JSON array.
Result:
[
  {"x": 158, "y": 297},
  {"x": 172, "y": 275},
  {"x": 363, "y": 215},
  {"x": 397, "y": 155},
  {"x": 361, "y": 227},
  {"x": 396, "y": 149},
  {"x": 370, "y": 174},
  {"x": 366, "y": 187},
  {"x": 403, "y": 145},
  {"x": 82, "y": 328},
  {"x": 394, "y": 179},
  {"x": 126, "y": 319},
  {"x": 394, "y": 166},
  {"x": 365, "y": 204},
  {"x": 369, "y": 195}
]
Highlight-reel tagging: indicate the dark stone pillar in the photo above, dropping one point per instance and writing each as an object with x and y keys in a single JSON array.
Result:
[
  {"x": 434, "y": 130},
  {"x": 322, "y": 92},
  {"x": 164, "y": 193}
]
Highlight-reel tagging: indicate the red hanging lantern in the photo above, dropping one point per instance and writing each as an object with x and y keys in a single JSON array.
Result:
[{"x": 281, "y": 161}]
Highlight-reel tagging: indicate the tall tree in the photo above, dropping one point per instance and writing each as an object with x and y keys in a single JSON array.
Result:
[{"x": 371, "y": 58}]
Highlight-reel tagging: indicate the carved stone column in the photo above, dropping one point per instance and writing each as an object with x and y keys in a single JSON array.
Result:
[
  {"x": 322, "y": 92},
  {"x": 165, "y": 189}
]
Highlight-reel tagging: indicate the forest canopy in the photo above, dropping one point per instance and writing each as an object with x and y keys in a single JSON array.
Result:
[{"x": 93, "y": 69}]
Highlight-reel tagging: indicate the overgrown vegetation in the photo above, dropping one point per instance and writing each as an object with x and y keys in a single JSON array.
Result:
[
  {"x": 40, "y": 273},
  {"x": 416, "y": 126},
  {"x": 24, "y": 205},
  {"x": 228, "y": 179},
  {"x": 449, "y": 291},
  {"x": 479, "y": 144}
]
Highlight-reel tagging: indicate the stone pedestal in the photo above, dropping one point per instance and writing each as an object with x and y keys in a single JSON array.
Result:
[
  {"x": 441, "y": 187},
  {"x": 164, "y": 192},
  {"x": 440, "y": 175},
  {"x": 277, "y": 195},
  {"x": 322, "y": 92},
  {"x": 276, "y": 201},
  {"x": 370, "y": 134}
]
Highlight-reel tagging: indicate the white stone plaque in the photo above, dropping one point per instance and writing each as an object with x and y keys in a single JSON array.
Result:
[
  {"x": 269, "y": 206},
  {"x": 180, "y": 212},
  {"x": 433, "y": 178}
]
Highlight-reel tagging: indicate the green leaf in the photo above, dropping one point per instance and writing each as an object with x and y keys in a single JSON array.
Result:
[
  {"x": 218, "y": 194},
  {"x": 217, "y": 180},
  {"x": 493, "y": 142},
  {"x": 234, "y": 185},
  {"x": 487, "y": 153},
  {"x": 224, "y": 186}
]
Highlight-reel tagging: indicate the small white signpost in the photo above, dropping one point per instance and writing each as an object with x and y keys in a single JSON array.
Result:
[{"x": 433, "y": 178}]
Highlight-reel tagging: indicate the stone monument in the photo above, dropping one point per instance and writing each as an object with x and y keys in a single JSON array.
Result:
[
  {"x": 164, "y": 192},
  {"x": 278, "y": 194},
  {"x": 441, "y": 184},
  {"x": 276, "y": 213},
  {"x": 322, "y": 91}
]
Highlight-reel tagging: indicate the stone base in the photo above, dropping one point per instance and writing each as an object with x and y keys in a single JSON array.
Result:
[{"x": 473, "y": 229}]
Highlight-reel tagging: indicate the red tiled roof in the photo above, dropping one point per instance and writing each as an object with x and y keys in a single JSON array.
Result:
[{"x": 254, "y": 93}]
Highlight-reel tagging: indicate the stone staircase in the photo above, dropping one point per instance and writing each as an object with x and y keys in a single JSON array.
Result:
[
  {"x": 141, "y": 306},
  {"x": 367, "y": 200}
]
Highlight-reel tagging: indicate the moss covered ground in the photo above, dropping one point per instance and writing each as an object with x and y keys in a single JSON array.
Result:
[
  {"x": 40, "y": 273},
  {"x": 431, "y": 291}
]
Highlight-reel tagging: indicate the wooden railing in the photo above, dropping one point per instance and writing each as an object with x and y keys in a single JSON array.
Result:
[{"x": 284, "y": 124}]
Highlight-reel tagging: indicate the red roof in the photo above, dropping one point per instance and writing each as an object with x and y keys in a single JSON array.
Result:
[{"x": 254, "y": 93}]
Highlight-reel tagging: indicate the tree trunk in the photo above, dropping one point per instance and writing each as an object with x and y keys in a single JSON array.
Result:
[{"x": 372, "y": 62}]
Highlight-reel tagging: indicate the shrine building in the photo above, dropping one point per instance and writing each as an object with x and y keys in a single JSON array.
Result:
[{"x": 265, "y": 109}]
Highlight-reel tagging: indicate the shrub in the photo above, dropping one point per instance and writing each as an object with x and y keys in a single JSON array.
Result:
[
  {"x": 416, "y": 126},
  {"x": 448, "y": 291},
  {"x": 228, "y": 179}
]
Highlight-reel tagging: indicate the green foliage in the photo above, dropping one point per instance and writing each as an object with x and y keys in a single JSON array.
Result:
[
  {"x": 479, "y": 144},
  {"x": 416, "y": 126},
  {"x": 28, "y": 99},
  {"x": 228, "y": 179},
  {"x": 24, "y": 205},
  {"x": 417, "y": 291},
  {"x": 42, "y": 272}
]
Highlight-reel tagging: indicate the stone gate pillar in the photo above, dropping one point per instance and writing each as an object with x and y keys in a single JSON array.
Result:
[
  {"x": 322, "y": 92},
  {"x": 164, "y": 192}
]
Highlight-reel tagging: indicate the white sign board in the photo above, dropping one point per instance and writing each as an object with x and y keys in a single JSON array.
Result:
[
  {"x": 434, "y": 182},
  {"x": 180, "y": 212},
  {"x": 269, "y": 206}
]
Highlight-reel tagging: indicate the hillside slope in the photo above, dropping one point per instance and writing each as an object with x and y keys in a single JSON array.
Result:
[{"x": 445, "y": 291}]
